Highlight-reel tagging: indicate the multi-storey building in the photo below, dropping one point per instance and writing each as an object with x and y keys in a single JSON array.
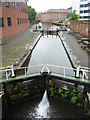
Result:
[
  {"x": 85, "y": 9},
  {"x": 82, "y": 8},
  {"x": 13, "y": 17},
  {"x": 53, "y": 15}
]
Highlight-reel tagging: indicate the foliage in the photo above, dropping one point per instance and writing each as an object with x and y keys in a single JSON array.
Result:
[
  {"x": 74, "y": 99},
  {"x": 69, "y": 8},
  {"x": 61, "y": 21},
  {"x": 75, "y": 96},
  {"x": 2, "y": 87},
  {"x": 31, "y": 14},
  {"x": 51, "y": 90},
  {"x": 60, "y": 90},
  {"x": 72, "y": 16},
  {"x": 16, "y": 86}
]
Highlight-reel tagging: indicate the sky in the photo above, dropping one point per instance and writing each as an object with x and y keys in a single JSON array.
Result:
[{"x": 43, "y": 5}]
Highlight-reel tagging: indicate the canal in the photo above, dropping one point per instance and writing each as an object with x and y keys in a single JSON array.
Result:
[{"x": 49, "y": 50}]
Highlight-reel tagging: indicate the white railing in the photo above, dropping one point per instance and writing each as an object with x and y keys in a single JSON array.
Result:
[{"x": 66, "y": 71}]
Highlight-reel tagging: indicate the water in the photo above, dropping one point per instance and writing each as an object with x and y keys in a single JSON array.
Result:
[
  {"x": 50, "y": 50},
  {"x": 45, "y": 108}
]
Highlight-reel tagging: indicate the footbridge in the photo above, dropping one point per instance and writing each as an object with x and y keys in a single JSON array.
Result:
[{"x": 79, "y": 75}]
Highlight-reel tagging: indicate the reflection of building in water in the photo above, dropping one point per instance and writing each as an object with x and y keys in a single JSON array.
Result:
[
  {"x": 53, "y": 15},
  {"x": 13, "y": 17}
]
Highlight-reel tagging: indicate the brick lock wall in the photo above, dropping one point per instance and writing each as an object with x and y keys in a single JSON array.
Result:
[
  {"x": 13, "y": 13},
  {"x": 80, "y": 27}
]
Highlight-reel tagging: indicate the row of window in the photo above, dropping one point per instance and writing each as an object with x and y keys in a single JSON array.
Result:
[
  {"x": 2, "y": 22},
  {"x": 15, "y": 5},
  {"x": 85, "y": 5},
  {"x": 85, "y": 11},
  {"x": 88, "y": 17},
  {"x": 83, "y": 0},
  {"x": 19, "y": 21}
]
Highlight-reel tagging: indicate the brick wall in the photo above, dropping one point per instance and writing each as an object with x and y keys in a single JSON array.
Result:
[
  {"x": 52, "y": 16},
  {"x": 13, "y": 13},
  {"x": 81, "y": 27}
]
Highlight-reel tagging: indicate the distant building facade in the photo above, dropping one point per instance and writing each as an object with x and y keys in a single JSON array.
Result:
[
  {"x": 53, "y": 15},
  {"x": 82, "y": 8},
  {"x": 13, "y": 18}
]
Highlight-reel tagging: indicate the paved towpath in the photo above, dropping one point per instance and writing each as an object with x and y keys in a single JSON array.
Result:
[
  {"x": 80, "y": 53},
  {"x": 14, "y": 48}
]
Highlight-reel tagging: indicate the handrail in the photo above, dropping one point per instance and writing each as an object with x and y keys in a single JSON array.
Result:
[{"x": 45, "y": 67}]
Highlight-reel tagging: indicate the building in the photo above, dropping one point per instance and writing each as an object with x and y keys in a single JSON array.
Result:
[
  {"x": 53, "y": 15},
  {"x": 13, "y": 18},
  {"x": 85, "y": 9},
  {"x": 82, "y": 8}
]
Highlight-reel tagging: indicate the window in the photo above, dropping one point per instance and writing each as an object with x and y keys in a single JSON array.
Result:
[
  {"x": 7, "y": 3},
  {"x": 13, "y": 4},
  {"x": 0, "y": 2},
  {"x": 1, "y": 22},
  {"x": 9, "y": 21},
  {"x": 18, "y": 21}
]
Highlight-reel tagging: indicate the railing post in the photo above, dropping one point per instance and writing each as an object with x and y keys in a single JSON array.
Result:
[
  {"x": 6, "y": 75},
  {"x": 82, "y": 75},
  {"x": 12, "y": 70}
]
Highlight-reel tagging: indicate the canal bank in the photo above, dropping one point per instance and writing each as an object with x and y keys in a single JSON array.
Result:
[
  {"x": 13, "y": 49},
  {"x": 75, "y": 49}
]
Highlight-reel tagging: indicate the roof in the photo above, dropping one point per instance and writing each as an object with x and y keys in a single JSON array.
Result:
[{"x": 58, "y": 10}]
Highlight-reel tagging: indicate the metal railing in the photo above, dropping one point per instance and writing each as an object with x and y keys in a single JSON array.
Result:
[{"x": 79, "y": 72}]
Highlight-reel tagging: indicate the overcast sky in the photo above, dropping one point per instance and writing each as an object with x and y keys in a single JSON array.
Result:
[{"x": 42, "y": 5}]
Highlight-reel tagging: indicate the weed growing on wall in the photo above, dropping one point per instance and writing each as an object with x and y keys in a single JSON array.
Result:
[{"x": 75, "y": 96}]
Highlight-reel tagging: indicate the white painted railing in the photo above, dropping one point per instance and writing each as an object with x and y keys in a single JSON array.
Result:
[{"x": 66, "y": 71}]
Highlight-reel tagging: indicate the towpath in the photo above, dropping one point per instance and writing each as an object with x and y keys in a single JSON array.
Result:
[
  {"x": 80, "y": 54},
  {"x": 14, "y": 48}
]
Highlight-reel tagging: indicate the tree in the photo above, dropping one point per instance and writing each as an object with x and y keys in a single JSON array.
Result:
[
  {"x": 31, "y": 14},
  {"x": 70, "y": 8},
  {"x": 72, "y": 16}
]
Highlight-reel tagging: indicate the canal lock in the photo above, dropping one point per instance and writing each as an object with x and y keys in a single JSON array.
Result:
[{"x": 19, "y": 91}]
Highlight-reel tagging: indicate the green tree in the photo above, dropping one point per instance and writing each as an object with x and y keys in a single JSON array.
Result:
[
  {"x": 69, "y": 8},
  {"x": 72, "y": 16},
  {"x": 31, "y": 14}
]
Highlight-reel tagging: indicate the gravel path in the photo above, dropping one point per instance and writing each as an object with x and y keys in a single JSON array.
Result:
[{"x": 14, "y": 48}]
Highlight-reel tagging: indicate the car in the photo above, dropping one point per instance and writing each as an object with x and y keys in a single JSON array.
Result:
[{"x": 63, "y": 28}]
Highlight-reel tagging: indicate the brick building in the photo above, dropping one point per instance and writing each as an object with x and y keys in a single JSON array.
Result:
[
  {"x": 53, "y": 15},
  {"x": 13, "y": 18}
]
